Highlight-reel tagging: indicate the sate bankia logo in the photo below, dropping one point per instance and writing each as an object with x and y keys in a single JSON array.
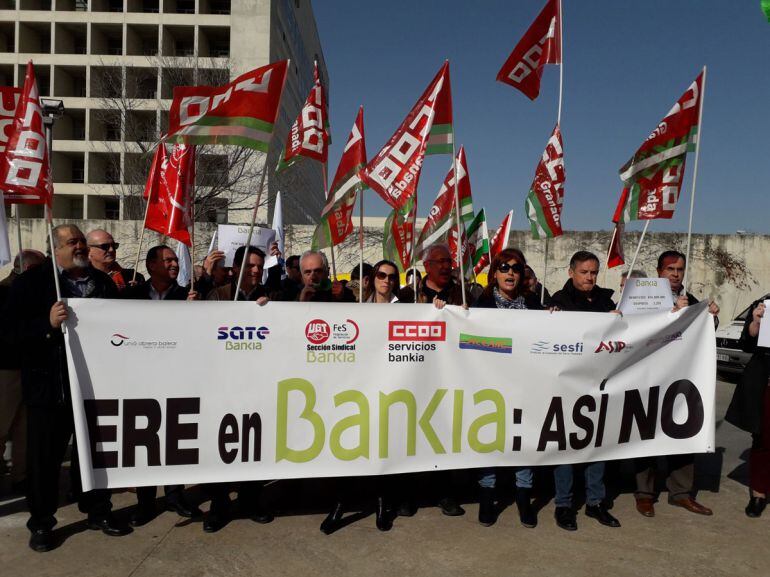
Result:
[
  {"x": 550, "y": 348},
  {"x": 410, "y": 340},
  {"x": 489, "y": 344},
  {"x": 121, "y": 340},
  {"x": 246, "y": 338},
  {"x": 331, "y": 343},
  {"x": 612, "y": 347}
]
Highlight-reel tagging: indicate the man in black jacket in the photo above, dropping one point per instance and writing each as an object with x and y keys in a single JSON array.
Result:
[
  {"x": 163, "y": 267},
  {"x": 581, "y": 293},
  {"x": 33, "y": 317}
]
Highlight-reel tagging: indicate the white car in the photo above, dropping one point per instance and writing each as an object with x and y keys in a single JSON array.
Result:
[{"x": 731, "y": 359}]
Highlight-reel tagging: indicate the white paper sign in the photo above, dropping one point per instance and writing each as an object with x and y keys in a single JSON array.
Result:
[
  {"x": 646, "y": 295},
  {"x": 764, "y": 330},
  {"x": 232, "y": 236}
]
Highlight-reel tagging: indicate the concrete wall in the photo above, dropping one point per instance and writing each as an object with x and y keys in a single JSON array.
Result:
[{"x": 731, "y": 269}]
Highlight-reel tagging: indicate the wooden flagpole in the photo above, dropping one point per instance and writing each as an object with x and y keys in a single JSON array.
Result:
[{"x": 694, "y": 180}]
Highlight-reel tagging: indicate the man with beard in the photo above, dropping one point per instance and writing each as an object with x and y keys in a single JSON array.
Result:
[{"x": 33, "y": 318}]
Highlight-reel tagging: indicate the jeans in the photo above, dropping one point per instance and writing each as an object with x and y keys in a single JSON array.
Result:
[
  {"x": 488, "y": 478},
  {"x": 594, "y": 477}
]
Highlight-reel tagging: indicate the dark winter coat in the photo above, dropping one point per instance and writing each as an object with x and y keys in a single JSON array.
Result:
[{"x": 599, "y": 300}]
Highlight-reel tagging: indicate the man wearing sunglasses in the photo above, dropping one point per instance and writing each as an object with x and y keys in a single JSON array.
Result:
[{"x": 102, "y": 252}]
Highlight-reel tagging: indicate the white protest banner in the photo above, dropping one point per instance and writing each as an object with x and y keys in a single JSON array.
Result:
[
  {"x": 763, "y": 339},
  {"x": 646, "y": 295},
  {"x": 236, "y": 391},
  {"x": 231, "y": 236}
]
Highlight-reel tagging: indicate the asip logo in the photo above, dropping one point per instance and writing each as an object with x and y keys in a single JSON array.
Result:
[{"x": 611, "y": 347}]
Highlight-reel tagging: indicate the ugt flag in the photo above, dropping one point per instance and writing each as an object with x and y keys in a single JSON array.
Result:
[
  {"x": 170, "y": 192},
  {"x": 25, "y": 167},
  {"x": 546, "y": 195},
  {"x": 242, "y": 112},
  {"x": 427, "y": 129},
  {"x": 652, "y": 178},
  {"x": 336, "y": 218},
  {"x": 540, "y": 45}
]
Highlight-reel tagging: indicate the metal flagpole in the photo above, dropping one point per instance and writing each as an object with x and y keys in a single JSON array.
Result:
[
  {"x": 694, "y": 179},
  {"x": 545, "y": 273},
  {"x": 636, "y": 254},
  {"x": 413, "y": 257},
  {"x": 331, "y": 248},
  {"x": 48, "y": 125},
  {"x": 361, "y": 246},
  {"x": 460, "y": 224},
  {"x": 259, "y": 193},
  {"x": 18, "y": 237}
]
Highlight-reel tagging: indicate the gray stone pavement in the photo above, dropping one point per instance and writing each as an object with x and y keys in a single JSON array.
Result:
[{"x": 675, "y": 542}]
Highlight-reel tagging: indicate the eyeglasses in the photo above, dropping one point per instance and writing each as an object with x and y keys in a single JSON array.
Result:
[
  {"x": 515, "y": 268},
  {"x": 105, "y": 246},
  {"x": 383, "y": 275}
]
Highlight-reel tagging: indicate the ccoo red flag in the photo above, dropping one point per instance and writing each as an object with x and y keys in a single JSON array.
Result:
[
  {"x": 309, "y": 135},
  {"x": 615, "y": 256},
  {"x": 540, "y": 45},
  {"x": 25, "y": 170},
  {"x": 170, "y": 192},
  {"x": 9, "y": 100},
  {"x": 395, "y": 171}
]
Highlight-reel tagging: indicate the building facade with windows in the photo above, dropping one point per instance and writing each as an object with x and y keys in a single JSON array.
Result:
[{"x": 114, "y": 64}]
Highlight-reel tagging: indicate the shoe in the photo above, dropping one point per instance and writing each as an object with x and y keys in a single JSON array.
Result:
[
  {"x": 692, "y": 506},
  {"x": 406, "y": 509},
  {"x": 109, "y": 525},
  {"x": 181, "y": 507},
  {"x": 487, "y": 512},
  {"x": 566, "y": 518},
  {"x": 332, "y": 521},
  {"x": 41, "y": 540},
  {"x": 262, "y": 516},
  {"x": 142, "y": 516},
  {"x": 527, "y": 515},
  {"x": 214, "y": 521},
  {"x": 646, "y": 506},
  {"x": 382, "y": 516},
  {"x": 450, "y": 507},
  {"x": 600, "y": 513},
  {"x": 753, "y": 509}
]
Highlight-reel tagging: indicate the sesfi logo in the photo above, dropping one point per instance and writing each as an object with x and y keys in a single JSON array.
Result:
[
  {"x": 549, "y": 348},
  {"x": 246, "y": 338}
]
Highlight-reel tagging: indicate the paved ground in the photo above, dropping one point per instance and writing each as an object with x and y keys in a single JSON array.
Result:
[{"x": 673, "y": 543}]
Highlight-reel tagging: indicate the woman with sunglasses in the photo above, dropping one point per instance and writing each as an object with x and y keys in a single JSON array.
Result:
[
  {"x": 507, "y": 289},
  {"x": 383, "y": 283}
]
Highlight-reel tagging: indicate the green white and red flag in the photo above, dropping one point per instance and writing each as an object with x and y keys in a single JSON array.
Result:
[
  {"x": 652, "y": 178},
  {"x": 475, "y": 242},
  {"x": 546, "y": 195},
  {"x": 242, "y": 112},
  {"x": 25, "y": 167},
  {"x": 765, "y": 6},
  {"x": 441, "y": 218},
  {"x": 336, "y": 218},
  {"x": 398, "y": 234},
  {"x": 309, "y": 135},
  {"x": 498, "y": 243},
  {"x": 540, "y": 45},
  {"x": 395, "y": 171}
]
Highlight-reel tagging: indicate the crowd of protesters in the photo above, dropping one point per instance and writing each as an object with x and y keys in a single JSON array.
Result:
[{"x": 36, "y": 408}]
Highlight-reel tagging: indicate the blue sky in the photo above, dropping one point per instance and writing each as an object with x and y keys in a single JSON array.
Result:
[{"x": 625, "y": 63}]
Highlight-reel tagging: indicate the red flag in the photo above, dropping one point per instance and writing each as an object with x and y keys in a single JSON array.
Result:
[
  {"x": 242, "y": 112},
  {"x": 615, "y": 256},
  {"x": 25, "y": 170},
  {"x": 170, "y": 191},
  {"x": 497, "y": 244},
  {"x": 540, "y": 45},
  {"x": 395, "y": 171},
  {"x": 9, "y": 100},
  {"x": 309, "y": 134},
  {"x": 546, "y": 194}
]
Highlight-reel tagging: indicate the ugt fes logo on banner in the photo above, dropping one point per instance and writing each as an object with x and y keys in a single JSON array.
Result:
[{"x": 331, "y": 343}]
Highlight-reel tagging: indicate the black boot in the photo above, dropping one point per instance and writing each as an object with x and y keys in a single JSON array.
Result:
[
  {"x": 332, "y": 521},
  {"x": 487, "y": 512},
  {"x": 756, "y": 506},
  {"x": 527, "y": 514},
  {"x": 383, "y": 519}
]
